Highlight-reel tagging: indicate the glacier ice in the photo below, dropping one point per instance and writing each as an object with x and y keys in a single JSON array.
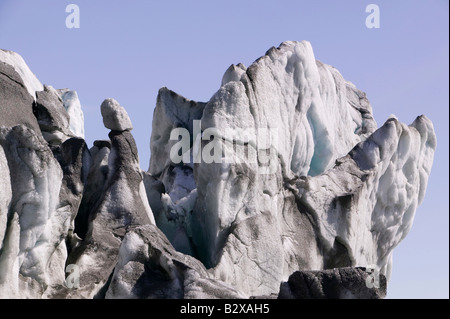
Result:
[
  {"x": 5, "y": 195},
  {"x": 35, "y": 177},
  {"x": 52, "y": 117},
  {"x": 17, "y": 103},
  {"x": 115, "y": 117},
  {"x": 373, "y": 192},
  {"x": 177, "y": 276},
  {"x": 304, "y": 188},
  {"x": 319, "y": 118},
  {"x": 30, "y": 80},
  {"x": 73, "y": 107},
  {"x": 120, "y": 204},
  {"x": 340, "y": 283}
]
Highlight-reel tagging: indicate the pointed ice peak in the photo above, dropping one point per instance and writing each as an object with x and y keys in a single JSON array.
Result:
[
  {"x": 73, "y": 106},
  {"x": 30, "y": 80},
  {"x": 233, "y": 73},
  {"x": 392, "y": 116}
]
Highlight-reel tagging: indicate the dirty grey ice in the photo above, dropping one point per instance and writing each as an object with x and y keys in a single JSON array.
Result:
[{"x": 342, "y": 195}]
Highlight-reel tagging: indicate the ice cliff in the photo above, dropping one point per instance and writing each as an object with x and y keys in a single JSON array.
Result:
[{"x": 281, "y": 185}]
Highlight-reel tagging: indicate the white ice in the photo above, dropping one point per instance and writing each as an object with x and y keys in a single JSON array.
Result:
[
  {"x": 30, "y": 80},
  {"x": 73, "y": 106}
]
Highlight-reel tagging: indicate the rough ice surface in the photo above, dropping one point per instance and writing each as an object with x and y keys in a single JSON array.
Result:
[
  {"x": 302, "y": 195},
  {"x": 118, "y": 203},
  {"x": 73, "y": 107},
  {"x": 368, "y": 200},
  {"x": 172, "y": 111},
  {"x": 318, "y": 115},
  {"x": 178, "y": 275},
  {"x": 29, "y": 79},
  {"x": 35, "y": 183},
  {"x": 115, "y": 117},
  {"x": 253, "y": 227},
  {"x": 340, "y": 283},
  {"x": 5, "y": 195},
  {"x": 52, "y": 116}
]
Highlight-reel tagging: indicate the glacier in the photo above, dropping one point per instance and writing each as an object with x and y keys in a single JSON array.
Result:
[
  {"x": 31, "y": 82},
  {"x": 327, "y": 196}
]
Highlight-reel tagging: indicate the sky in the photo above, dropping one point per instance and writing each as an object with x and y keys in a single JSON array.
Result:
[{"x": 128, "y": 50}]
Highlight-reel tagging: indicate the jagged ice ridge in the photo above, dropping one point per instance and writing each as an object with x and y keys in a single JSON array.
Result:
[{"x": 340, "y": 194}]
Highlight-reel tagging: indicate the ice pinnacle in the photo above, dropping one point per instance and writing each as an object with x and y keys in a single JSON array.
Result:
[{"x": 115, "y": 117}]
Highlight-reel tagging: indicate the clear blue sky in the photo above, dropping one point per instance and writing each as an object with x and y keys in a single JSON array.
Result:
[{"x": 129, "y": 49}]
